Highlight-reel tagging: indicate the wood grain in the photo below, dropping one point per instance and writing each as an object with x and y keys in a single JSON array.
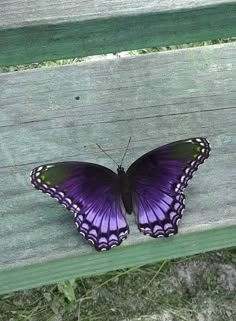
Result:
[
  {"x": 156, "y": 99},
  {"x": 39, "y": 31},
  {"x": 18, "y": 13}
]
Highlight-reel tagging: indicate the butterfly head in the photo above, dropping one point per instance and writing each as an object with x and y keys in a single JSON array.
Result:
[{"x": 120, "y": 169}]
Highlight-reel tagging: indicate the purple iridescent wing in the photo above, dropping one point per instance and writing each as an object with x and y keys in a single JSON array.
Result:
[
  {"x": 92, "y": 193},
  {"x": 158, "y": 180}
]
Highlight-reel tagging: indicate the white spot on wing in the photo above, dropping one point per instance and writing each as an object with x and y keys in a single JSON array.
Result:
[
  {"x": 177, "y": 187},
  {"x": 49, "y": 166},
  {"x": 68, "y": 200},
  {"x": 177, "y": 221},
  {"x": 76, "y": 207}
]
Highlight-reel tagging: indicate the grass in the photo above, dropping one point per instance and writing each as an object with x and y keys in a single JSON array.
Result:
[{"x": 200, "y": 288}]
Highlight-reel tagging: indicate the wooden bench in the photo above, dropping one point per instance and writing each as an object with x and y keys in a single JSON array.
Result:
[{"x": 60, "y": 113}]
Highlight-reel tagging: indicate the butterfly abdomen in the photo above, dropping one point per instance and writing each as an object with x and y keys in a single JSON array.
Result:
[{"x": 125, "y": 189}]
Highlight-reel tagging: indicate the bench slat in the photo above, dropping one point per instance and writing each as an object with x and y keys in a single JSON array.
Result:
[
  {"x": 156, "y": 99},
  {"x": 81, "y": 266},
  {"x": 39, "y": 31}
]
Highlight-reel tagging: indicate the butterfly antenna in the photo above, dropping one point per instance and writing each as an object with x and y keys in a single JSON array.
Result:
[
  {"x": 125, "y": 151},
  {"x": 107, "y": 154}
]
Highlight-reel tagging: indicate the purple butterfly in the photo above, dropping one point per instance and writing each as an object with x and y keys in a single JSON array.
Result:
[{"x": 152, "y": 188}]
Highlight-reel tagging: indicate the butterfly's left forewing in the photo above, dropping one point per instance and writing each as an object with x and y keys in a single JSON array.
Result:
[
  {"x": 158, "y": 179},
  {"x": 89, "y": 191}
]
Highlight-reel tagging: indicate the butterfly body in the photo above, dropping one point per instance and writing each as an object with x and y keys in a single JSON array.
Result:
[
  {"x": 125, "y": 189},
  {"x": 152, "y": 188}
]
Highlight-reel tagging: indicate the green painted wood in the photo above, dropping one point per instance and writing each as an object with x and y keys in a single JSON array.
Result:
[
  {"x": 155, "y": 98},
  {"x": 149, "y": 252},
  {"x": 41, "y": 31}
]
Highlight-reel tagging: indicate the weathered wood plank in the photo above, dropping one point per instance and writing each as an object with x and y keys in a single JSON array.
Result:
[
  {"x": 41, "y": 31},
  {"x": 18, "y": 13},
  {"x": 155, "y": 98}
]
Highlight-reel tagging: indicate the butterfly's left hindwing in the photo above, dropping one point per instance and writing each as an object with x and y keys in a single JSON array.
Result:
[
  {"x": 158, "y": 180},
  {"x": 90, "y": 192}
]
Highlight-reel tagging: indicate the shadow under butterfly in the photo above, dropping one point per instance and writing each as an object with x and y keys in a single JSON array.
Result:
[{"x": 152, "y": 188}]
